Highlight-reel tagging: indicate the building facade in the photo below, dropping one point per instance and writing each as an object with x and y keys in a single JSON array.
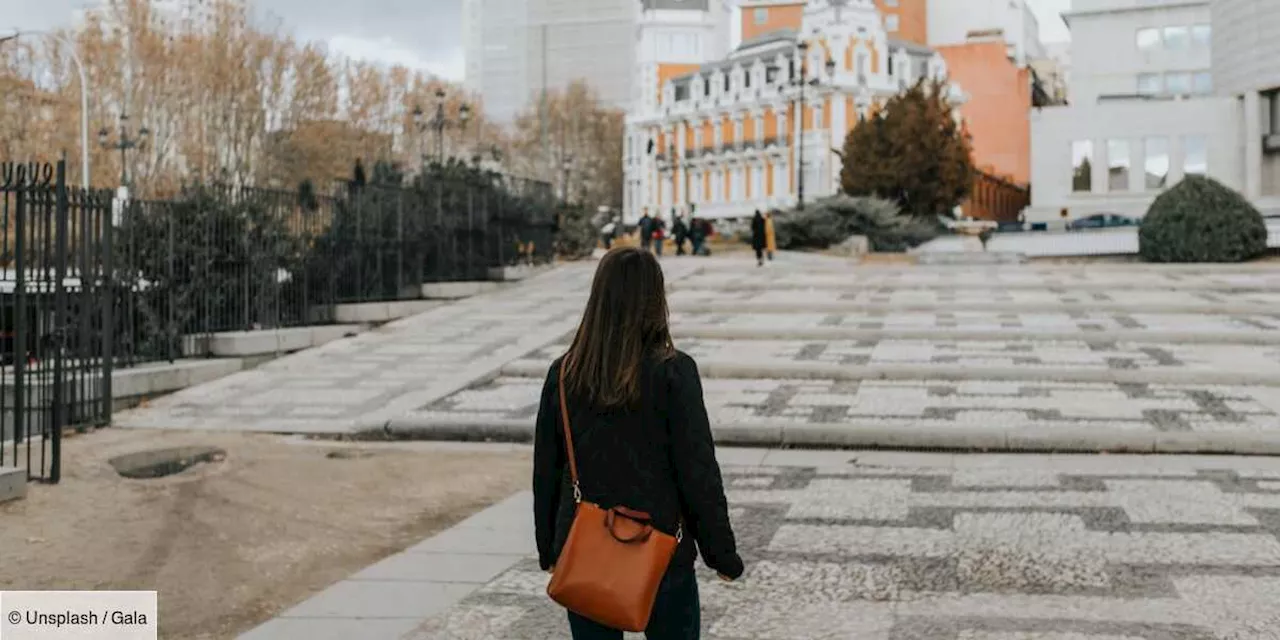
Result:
[
  {"x": 516, "y": 48},
  {"x": 956, "y": 22},
  {"x": 1158, "y": 94},
  {"x": 722, "y": 137}
]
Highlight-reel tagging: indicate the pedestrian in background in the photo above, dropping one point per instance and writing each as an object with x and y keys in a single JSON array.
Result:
[
  {"x": 659, "y": 235},
  {"x": 758, "y": 229},
  {"x": 622, "y": 425},
  {"x": 697, "y": 235},
  {"x": 770, "y": 236},
  {"x": 645, "y": 228},
  {"x": 681, "y": 232}
]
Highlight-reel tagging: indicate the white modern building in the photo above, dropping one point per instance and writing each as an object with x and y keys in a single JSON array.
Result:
[
  {"x": 516, "y": 48},
  {"x": 1142, "y": 112},
  {"x": 952, "y": 22},
  {"x": 1246, "y": 67}
]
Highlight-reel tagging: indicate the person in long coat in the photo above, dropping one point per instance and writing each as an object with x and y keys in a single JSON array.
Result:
[
  {"x": 770, "y": 237},
  {"x": 758, "y": 240}
]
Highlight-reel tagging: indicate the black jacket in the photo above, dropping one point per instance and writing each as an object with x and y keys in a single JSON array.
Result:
[
  {"x": 659, "y": 459},
  {"x": 758, "y": 232}
]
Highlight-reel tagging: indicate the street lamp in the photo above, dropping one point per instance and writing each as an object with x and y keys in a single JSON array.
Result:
[
  {"x": 439, "y": 122},
  {"x": 566, "y": 166},
  {"x": 123, "y": 144},
  {"x": 84, "y": 96},
  {"x": 804, "y": 81}
]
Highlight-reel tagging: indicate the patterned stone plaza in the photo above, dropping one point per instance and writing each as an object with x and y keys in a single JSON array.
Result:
[{"x": 856, "y": 543}]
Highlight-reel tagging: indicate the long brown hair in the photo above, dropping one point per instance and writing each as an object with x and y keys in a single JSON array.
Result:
[{"x": 624, "y": 324}]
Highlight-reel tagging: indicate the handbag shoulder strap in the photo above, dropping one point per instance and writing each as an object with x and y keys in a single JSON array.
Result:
[{"x": 568, "y": 433}]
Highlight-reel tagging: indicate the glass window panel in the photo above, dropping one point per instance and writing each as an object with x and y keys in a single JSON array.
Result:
[
  {"x": 1082, "y": 166},
  {"x": 1118, "y": 165},
  {"x": 1177, "y": 38},
  {"x": 1202, "y": 83},
  {"x": 1157, "y": 163},
  {"x": 1195, "y": 155},
  {"x": 1177, "y": 83},
  {"x": 1201, "y": 35},
  {"x": 1148, "y": 39},
  {"x": 1150, "y": 84}
]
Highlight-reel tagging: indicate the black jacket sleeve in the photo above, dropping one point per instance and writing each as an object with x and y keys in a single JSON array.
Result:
[
  {"x": 697, "y": 473},
  {"x": 548, "y": 468}
]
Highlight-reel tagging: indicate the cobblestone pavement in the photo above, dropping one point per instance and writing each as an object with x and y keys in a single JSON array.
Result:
[
  {"x": 1025, "y": 354},
  {"x": 928, "y": 403},
  {"x": 1054, "y": 279},
  {"x": 1047, "y": 300},
  {"x": 1004, "y": 548},
  {"x": 1024, "y": 322}
]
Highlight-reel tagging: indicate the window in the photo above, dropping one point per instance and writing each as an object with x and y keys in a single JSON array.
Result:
[
  {"x": 1202, "y": 83},
  {"x": 1177, "y": 38},
  {"x": 1195, "y": 156},
  {"x": 890, "y": 3},
  {"x": 682, "y": 92},
  {"x": 1150, "y": 84},
  {"x": 761, "y": 15},
  {"x": 891, "y": 22},
  {"x": 727, "y": 80},
  {"x": 862, "y": 64},
  {"x": 770, "y": 75},
  {"x": 1201, "y": 36},
  {"x": 1148, "y": 39},
  {"x": 697, "y": 138},
  {"x": 746, "y": 79},
  {"x": 1178, "y": 83},
  {"x": 1117, "y": 165},
  {"x": 1156, "y": 166},
  {"x": 706, "y": 87},
  {"x": 1082, "y": 166}
]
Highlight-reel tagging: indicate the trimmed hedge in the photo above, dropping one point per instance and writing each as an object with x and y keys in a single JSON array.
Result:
[
  {"x": 831, "y": 221},
  {"x": 1201, "y": 220}
]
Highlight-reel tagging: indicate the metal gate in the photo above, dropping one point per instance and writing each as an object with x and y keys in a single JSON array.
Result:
[{"x": 55, "y": 315}]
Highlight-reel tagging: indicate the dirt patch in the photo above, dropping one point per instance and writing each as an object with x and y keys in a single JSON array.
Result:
[{"x": 230, "y": 545}]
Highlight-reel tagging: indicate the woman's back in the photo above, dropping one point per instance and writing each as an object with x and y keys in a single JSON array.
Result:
[{"x": 641, "y": 438}]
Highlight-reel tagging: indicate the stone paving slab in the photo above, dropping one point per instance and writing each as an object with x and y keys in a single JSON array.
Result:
[
  {"x": 331, "y": 389},
  {"x": 1032, "y": 414},
  {"x": 922, "y": 547},
  {"x": 1013, "y": 323},
  {"x": 1045, "y": 297},
  {"x": 1023, "y": 277},
  {"x": 779, "y": 300},
  {"x": 1043, "y": 359}
]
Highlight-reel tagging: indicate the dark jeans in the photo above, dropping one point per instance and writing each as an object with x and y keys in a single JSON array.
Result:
[
  {"x": 760, "y": 256},
  {"x": 677, "y": 614}
]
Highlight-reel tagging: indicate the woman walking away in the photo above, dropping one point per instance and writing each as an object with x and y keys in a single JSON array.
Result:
[
  {"x": 624, "y": 467},
  {"x": 757, "y": 237},
  {"x": 770, "y": 237}
]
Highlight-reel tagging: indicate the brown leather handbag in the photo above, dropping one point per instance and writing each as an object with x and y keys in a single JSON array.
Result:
[{"x": 613, "y": 559}]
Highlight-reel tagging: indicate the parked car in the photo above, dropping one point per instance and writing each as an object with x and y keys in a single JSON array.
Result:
[{"x": 1102, "y": 221}]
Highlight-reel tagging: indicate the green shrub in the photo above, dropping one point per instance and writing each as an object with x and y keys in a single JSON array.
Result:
[
  {"x": 1200, "y": 220},
  {"x": 831, "y": 221}
]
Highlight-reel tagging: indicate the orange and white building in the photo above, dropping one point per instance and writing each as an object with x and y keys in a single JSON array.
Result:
[
  {"x": 722, "y": 136},
  {"x": 720, "y": 132}
]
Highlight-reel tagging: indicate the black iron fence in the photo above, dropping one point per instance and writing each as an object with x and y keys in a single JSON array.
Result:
[
  {"x": 218, "y": 259},
  {"x": 55, "y": 314}
]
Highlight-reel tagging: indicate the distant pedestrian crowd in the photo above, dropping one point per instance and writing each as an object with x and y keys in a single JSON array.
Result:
[{"x": 652, "y": 232}]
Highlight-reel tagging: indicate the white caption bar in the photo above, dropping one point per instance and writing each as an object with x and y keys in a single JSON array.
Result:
[{"x": 78, "y": 615}]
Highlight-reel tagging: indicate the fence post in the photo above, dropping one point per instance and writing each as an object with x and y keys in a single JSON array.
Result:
[
  {"x": 60, "y": 326},
  {"x": 108, "y": 309},
  {"x": 20, "y": 323}
]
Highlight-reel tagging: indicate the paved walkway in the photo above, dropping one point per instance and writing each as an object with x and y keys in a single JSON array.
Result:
[
  {"x": 883, "y": 546},
  {"x": 815, "y": 351}
]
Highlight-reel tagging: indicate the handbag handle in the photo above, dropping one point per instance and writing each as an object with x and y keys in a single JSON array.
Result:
[{"x": 568, "y": 434}]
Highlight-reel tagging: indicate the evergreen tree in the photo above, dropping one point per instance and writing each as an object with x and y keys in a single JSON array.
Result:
[{"x": 913, "y": 152}]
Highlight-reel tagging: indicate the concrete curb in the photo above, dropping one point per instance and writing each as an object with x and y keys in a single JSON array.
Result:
[
  {"x": 864, "y": 434},
  {"x": 947, "y": 372},
  {"x": 1140, "y": 336},
  {"x": 13, "y": 484},
  {"x": 739, "y": 306},
  {"x": 872, "y": 284}
]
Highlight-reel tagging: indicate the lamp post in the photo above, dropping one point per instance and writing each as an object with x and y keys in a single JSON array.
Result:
[
  {"x": 123, "y": 144},
  {"x": 439, "y": 122},
  {"x": 566, "y": 165},
  {"x": 84, "y": 96},
  {"x": 804, "y": 81}
]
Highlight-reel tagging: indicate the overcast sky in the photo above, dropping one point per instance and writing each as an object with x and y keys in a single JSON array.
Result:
[{"x": 423, "y": 34}]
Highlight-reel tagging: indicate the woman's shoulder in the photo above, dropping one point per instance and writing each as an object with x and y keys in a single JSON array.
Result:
[{"x": 680, "y": 366}]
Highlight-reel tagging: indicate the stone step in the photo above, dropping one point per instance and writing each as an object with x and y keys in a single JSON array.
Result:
[
  {"x": 800, "y": 301},
  {"x": 981, "y": 334},
  {"x": 1014, "y": 360},
  {"x": 13, "y": 484},
  {"x": 926, "y": 413}
]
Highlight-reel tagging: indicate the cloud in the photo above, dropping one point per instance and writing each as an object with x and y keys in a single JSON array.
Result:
[{"x": 449, "y": 65}]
